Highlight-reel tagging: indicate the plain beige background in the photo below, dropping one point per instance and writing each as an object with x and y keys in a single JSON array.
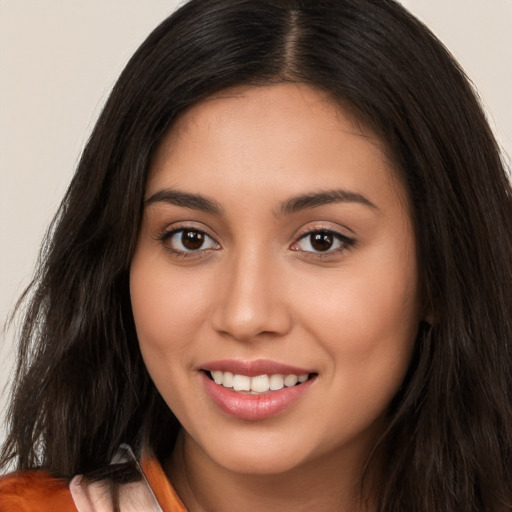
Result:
[{"x": 59, "y": 59}]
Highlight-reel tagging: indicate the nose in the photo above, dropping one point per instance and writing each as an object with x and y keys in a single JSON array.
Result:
[{"x": 251, "y": 300}]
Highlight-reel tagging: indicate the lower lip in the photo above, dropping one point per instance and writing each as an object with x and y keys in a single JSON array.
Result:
[{"x": 254, "y": 407}]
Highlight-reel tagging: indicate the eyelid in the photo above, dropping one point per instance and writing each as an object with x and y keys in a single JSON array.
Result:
[
  {"x": 171, "y": 230},
  {"x": 173, "y": 227},
  {"x": 206, "y": 237},
  {"x": 165, "y": 235},
  {"x": 348, "y": 241},
  {"x": 314, "y": 227}
]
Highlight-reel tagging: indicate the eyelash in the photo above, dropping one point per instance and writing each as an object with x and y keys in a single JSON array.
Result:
[
  {"x": 167, "y": 236},
  {"x": 346, "y": 242}
]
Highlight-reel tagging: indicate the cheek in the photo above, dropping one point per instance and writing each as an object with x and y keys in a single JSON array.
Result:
[
  {"x": 358, "y": 313},
  {"x": 366, "y": 318},
  {"x": 166, "y": 306},
  {"x": 367, "y": 348},
  {"x": 166, "y": 313},
  {"x": 166, "y": 309}
]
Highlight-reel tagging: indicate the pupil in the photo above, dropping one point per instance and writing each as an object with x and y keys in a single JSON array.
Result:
[
  {"x": 192, "y": 239},
  {"x": 321, "y": 241}
]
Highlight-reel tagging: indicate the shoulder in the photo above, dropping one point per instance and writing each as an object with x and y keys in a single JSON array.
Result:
[{"x": 34, "y": 490}]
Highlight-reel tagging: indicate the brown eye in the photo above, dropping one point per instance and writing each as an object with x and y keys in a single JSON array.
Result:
[
  {"x": 321, "y": 241},
  {"x": 189, "y": 240},
  {"x": 192, "y": 240}
]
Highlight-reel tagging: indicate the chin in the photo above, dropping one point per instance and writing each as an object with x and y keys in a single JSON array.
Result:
[
  {"x": 261, "y": 453},
  {"x": 258, "y": 463}
]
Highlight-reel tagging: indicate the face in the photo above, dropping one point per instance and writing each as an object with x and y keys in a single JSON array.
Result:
[{"x": 274, "y": 285}]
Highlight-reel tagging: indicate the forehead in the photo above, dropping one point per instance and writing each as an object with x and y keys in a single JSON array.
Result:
[
  {"x": 269, "y": 137},
  {"x": 263, "y": 105}
]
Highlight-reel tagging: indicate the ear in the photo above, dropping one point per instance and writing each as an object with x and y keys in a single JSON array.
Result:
[
  {"x": 427, "y": 315},
  {"x": 429, "y": 318}
]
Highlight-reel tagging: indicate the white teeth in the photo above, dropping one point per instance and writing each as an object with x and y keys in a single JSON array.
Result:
[
  {"x": 290, "y": 380},
  {"x": 276, "y": 382},
  {"x": 217, "y": 377},
  {"x": 258, "y": 384},
  {"x": 241, "y": 383},
  {"x": 227, "y": 380}
]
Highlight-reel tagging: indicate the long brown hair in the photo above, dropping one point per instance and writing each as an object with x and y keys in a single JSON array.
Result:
[{"x": 81, "y": 387}]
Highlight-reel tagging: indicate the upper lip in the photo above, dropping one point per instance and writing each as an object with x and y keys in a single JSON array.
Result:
[{"x": 254, "y": 368}]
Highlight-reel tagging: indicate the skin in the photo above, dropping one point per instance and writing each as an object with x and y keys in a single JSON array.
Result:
[{"x": 258, "y": 289}]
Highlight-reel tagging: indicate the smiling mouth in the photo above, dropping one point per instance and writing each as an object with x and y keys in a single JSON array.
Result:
[{"x": 264, "y": 383}]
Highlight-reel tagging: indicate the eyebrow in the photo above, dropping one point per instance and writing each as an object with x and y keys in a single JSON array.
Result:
[
  {"x": 185, "y": 199},
  {"x": 288, "y": 207},
  {"x": 306, "y": 201}
]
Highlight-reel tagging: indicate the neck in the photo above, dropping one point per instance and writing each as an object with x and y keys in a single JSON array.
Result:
[{"x": 332, "y": 483}]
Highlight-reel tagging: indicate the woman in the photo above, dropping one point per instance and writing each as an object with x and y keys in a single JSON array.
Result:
[{"x": 280, "y": 278}]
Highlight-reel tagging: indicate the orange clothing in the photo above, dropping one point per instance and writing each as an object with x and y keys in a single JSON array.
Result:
[
  {"x": 38, "y": 491},
  {"x": 34, "y": 491}
]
